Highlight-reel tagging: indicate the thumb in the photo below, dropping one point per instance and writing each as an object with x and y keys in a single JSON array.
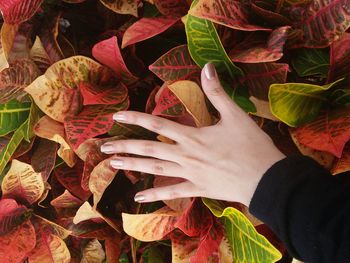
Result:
[{"x": 215, "y": 92}]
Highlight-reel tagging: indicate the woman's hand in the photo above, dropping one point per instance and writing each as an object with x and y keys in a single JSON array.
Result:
[{"x": 224, "y": 161}]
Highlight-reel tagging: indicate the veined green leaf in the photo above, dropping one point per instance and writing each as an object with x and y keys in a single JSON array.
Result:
[
  {"x": 341, "y": 97},
  {"x": 205, "y": 46},
  {"x": 12, "y": 115},
  {"x": 246, "y": 243},
  {"x": 311, "y": 62},
  {"x": 34, "y": 115},
  {"x": 297, "y": 103},
  {"x": 10, "y": 148}
]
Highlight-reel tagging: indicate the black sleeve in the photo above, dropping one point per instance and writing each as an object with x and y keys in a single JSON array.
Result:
[{"x": 307, "y": 208}]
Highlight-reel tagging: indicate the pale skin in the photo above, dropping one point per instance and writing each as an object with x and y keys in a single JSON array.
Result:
[{"x": 225, "y": 161}]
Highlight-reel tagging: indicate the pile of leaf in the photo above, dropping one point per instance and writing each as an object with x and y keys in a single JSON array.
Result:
[{"x": 67, "y": 66}]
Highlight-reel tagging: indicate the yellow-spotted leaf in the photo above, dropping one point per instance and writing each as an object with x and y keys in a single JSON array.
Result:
[
  {"x": 192, "y": 97},
  {"x": 205, "y": 45},
  {"x": 56, "y": 92},
  {"x": 150, "y": 227},
  {"x": 101, "y": 177},
  {"x": 122, "y": 6},
  {"x": 93, "y": 252},
  {"x": 246, "y": 243},
  {"x": 297, "y": 103},
  {"x": 52, "y": 130},
  {"x": 23, "y": 183}
]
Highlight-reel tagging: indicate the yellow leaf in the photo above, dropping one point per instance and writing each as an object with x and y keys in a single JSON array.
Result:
[
  {"x": 262, "y": 109},
  {"x": 101, "y": 177},
  {"x": 52, "y": 130},
  {"x": 150, "y": 227},
  {"x": 93, "y": 252},
  {"x": 192, "y": 97},
  {"x": 23, "y": 183},
  {"x": 122, "y": 6}
]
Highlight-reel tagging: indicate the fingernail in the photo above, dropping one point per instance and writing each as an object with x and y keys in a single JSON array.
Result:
[
  {"x": 139, "y": 198},
  {"x": 107, "y": 148},
  {"x": 116, "y": 163},
  {"x": 209, "y": 70},
  {"x": 119, "y": 117}
]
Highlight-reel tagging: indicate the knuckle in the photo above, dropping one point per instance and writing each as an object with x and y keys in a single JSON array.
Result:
[
  {"x": 156, "y": 125},
  {"x": 148, "y": 148},
  {"x": 215, "y": 91},
  {"x": 158, "y": 167}
]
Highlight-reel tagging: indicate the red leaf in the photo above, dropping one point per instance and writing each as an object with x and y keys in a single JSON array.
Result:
[
  {"x": 230, "y": 13},
  {"x": 255, "y": 49},
  {"x": 15, "y": 246},
  {"x": 339, "y": 58},
  {"x": 269, "y": 16},
  {"x": 113, "y": 248},
  {"x": 94, "y": 94},
  {"x": 169, "y": 105},
  {"x": 146, "y": 28},
  {"x": 343, "y": 164},
  {"x": 66, "y": 200},
  {"x": 176, "y": 64},
  {"x": 70, "y": 178},
  {"x": 108, "y": 53},
  {"x": 44, "y": 157},
  {"x": 329, "y": 133},
  {"x": 174, "y": 8},
  {"x": 11, "y": 215},
  {"x": 321, "y": 22},
  {"x": 18, "y": 11},
  {"x": 94, "y": 120},
  {"x": 258, "y": 77}
]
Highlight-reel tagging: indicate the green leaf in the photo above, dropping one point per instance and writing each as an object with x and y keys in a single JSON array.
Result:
[
  {"x": 205, "y": 46},
  {"x": 12, "y": 115},
  {"x": 246, "y": 243},
  {"x": 341, "y": 97},
  {"x": 297, "y": 103},
  {"x": 311, "y": 62},
  {"x": 10, "y": 148},
  {"x": 34, "y": 116},
  {"x": 124, "y": 258},
  {"x": 240, "y": 95}
]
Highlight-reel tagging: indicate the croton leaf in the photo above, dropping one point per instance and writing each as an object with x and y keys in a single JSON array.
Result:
[
  {"x": 169, "y": 105},
  {"x": 44, "y": 158},
  {"x": 122, "y": 6},
  {"x": 146, "y": 28},
  {"x": 12, "y": 215},
  {"x": 70, "y": 178},
  {"x": 113, "y": 248},
  {"x": 66, "y": 200},
  {"x": 91, "y": 229},
  {"x": 247, "y": 244},
  {"x": 342, "y": 164},
  {"x": 94, "y": 95},
  {"x": 101, "y": 177},
  {"x": 52, "y": 130},
  {"x": 329, "y": 132},
  {"x": 10, "y": 148},
  {"x": 18, "y": 11},
  {"x": 258, "y": 77},
  {"x": 205, "y": 46},
  {"x": 231, "y": 13},
  {"x": 182, "y": 247},
  {"x": 192, "y": 97},
  {"x": 255, "y": 48},
  {"x": 23, "y": 183},
  {"x": 56, "y": 92},
  {"x": 321, "y": 22},
  {"x": 12, "y": 115},
  {"x": 339, "y": 58},
  {"x": 108, "y": 53},
  {"x": 174, "y": 8},
  {"x": 297, "y": 103},
  {"x": 93, "y": 252},
  {"x": 176, "y": 64},
  {"x": 94, "y": 120},
  {"x": 16, "y": 78},
  {"x": 311, "y": 62},
  {"x": 40, "y": 56},
  {"x": 150, "y": 227},
  {"x": 16, "y": 246}
]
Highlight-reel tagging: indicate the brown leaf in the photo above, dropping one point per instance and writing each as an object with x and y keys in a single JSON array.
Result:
[{"x": 93, "y": 252}]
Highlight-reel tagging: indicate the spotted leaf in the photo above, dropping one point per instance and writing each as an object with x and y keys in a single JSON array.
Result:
[{"x": 122, "y": 6}]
